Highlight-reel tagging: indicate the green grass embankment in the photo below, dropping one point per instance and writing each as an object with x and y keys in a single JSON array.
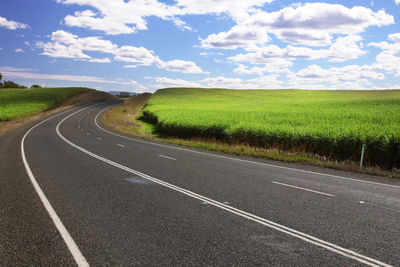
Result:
[
  {"x": 331, "y": 124},
  {"x": 19, "y": 103}
]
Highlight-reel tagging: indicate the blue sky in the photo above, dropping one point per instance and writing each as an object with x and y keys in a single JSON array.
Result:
[{"x": 144, "y": 45}]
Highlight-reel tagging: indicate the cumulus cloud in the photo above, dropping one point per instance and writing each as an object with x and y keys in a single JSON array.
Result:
[
  {"x": 238, "y": 36},
  {"x": 335, "y": 77},
  {"x": 278, "y": 59},
  {"x": 395, "y": 37},
  {"x": 138, "y": 55},
  {"x": 19, "y": 50},
  {"x": 308, "y": 23},
  {"x": 180, "y": 66},
  {"x": 279, "y": 66},
  {"x": 238, "y": 10},
  {"x": 66, "y": 45},
  {"x": 311, "y": 24},
  {"x": 12, "y": 25},
  {"x": 116, "y": 17},
  {"x": 389, "y": 58},
  {"x": 121, "y": 17}
]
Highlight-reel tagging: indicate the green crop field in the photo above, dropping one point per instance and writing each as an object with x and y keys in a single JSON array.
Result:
[
  {"x": 333, "y": 124},
  {"x": 17, "y": 103}
]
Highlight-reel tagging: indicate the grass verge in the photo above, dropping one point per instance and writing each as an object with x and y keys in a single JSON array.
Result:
[
  {"x": 21, "y": 106},
  {"x": 333, "y": 124},
  {"x": 127, "y": 119}
]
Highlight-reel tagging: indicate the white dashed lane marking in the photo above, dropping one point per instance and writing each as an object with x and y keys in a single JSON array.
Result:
[
  {"x": 304, "y": 189},
  {"x": 166, "y": 157}
]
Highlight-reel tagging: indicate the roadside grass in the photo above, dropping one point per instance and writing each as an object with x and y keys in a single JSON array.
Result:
[
  {"x": 330, "y": 124},
  {"x": 21, "y": 106},
  {"x": 127, "y": 118},
  {"x": 19, "y": 103},
  {"x": 123, "y": 117}
]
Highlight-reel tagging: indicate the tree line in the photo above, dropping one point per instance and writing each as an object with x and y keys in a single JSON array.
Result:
[{"x": 11, "y": 84}]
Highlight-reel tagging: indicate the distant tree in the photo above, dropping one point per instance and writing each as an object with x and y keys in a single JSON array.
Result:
[
  {"x": 36, "y": 86},
  {"x": 11, "y": 84},
  {"x": 1, "y": 77}
]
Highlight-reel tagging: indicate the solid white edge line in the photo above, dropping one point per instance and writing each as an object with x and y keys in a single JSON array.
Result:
[
  {"x": 166, "y": 157},
  {"x": 304, "y": 189},
  {"x": 241, "y": 160},
  {"x": 281, "y": 228},
  {"x": 69, "y": 241}
]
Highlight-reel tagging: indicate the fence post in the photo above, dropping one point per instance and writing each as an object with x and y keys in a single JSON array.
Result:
[
  {"x": 150, "y": 134},
  {"x": 362, "y": 156}
]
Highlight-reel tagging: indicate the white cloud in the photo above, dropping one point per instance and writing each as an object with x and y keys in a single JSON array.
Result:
[
  {"x": 181, "y": 24},
  {"x": 311, "y": 24},
  {"x": 122, "y": 17},
  {"x": 277, "y": 66},
  {"x": 100, "y": 60},
  {"x": 58, "y": 50},
  {"x": 397, "y": 2},
  {"x": 238, "y": 36},
  {"x": 66, "y": 45},
  {"x": 238, "y": 10},
  {"x": 389, "y": 58},
  {"x": 208, "y": 54},
  {"x": 19, "y": 50},
  {"x": 62, "y": 77},
  {"x": 130, "y": 66},
  {"x": 265, "y": 82},
  {"x": 242, "y": 69},
  {"x": 137, "y": 55},
  {"x": 334, "y": 77},
  {"x": 279, "y": 59},
  {"x": 388, "y": 62},
  {"x": 163, "y": 82},
  {"x": 345, "y": 48},
  {"x": 12, "y": 25},
  {"x": 395, "y": 37},
  {"x": 180, "y": 66},
  {"x": 13, "y": 69}
]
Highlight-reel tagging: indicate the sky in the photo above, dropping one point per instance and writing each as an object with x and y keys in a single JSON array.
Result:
[{"x": 145, "y": 45}]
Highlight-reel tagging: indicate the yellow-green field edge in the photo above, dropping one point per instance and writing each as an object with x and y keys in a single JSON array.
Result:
[{"x": 127, "y": 118}]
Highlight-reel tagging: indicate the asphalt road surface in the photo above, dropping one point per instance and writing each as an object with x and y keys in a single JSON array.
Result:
[{"x": 74, "y": 193}]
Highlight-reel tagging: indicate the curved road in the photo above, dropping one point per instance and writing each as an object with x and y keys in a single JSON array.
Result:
[{"x": 115, "y": 200}]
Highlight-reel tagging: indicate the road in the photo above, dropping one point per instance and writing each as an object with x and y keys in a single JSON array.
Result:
[{"x": 88, "y": 196}]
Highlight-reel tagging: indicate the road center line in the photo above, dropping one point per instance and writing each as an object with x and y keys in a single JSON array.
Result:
[
  {"x": 270, "y": 224},
  {"x": 304, "y": 189},
  {"x": 166, "y": 157},
  {"x": 120, "y": 145}
]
